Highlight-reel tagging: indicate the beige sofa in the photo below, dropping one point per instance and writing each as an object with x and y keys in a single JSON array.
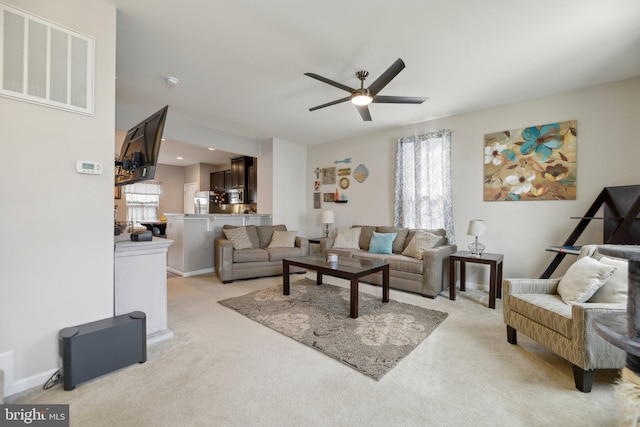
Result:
[
  {"x": 427, "y": 276},
  {"x": 258, "y": 260},
  {"x": 535, "y": 308}
]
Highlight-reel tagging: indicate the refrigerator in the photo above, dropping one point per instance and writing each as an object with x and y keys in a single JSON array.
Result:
[{"x": 204, "y": 201}]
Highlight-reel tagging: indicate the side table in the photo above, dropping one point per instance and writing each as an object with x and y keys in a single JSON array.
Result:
[{"x": 495, "y": 276}]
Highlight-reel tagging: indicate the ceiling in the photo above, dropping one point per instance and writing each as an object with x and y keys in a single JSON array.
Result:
[{"x": 241, "y": 63}]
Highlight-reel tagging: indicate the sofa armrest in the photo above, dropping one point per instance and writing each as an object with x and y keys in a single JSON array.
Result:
[
  {"x": 530, "y": 286},
  {"x": 436, "y": 268},
  {"x": 598, "y": 352},
  {"x": 303, "y": 243},
  {"x": 223, "y": 259},
  {"x": 326, "y": 243}
]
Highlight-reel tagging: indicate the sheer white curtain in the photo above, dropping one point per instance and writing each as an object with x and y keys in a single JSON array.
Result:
[
  {"x": 423, "y": 182},
  {"x": 143, "y": 201}
]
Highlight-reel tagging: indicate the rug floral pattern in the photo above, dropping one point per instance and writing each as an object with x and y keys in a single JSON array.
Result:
[{"x": 318, "y": 316}]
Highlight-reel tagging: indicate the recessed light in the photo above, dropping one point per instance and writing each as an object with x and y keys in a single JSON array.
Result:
[
  {"x": 212, "y": 149},
  {"x": 179, "y": 158}
]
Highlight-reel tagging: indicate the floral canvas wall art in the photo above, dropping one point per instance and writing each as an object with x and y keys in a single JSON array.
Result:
[{"x": 533, "y": 163}]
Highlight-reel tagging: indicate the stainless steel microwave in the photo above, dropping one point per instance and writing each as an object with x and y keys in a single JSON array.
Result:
[{"x": 236, "y": 196}]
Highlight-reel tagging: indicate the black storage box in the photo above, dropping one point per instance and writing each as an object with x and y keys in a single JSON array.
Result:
[{"x": 93, "y": 349}]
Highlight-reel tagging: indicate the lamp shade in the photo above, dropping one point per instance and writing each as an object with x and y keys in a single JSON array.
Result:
[
  {"x": 476, "y": 227},
  {"x": 326, "y": 217}
]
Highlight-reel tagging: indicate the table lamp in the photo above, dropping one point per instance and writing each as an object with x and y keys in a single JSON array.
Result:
[
  {"x": 476, "y": 228},
  {"x": 326, "y": 218}
]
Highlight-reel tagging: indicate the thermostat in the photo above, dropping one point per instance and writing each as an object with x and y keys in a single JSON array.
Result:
[{"x": 93, "y": 168}]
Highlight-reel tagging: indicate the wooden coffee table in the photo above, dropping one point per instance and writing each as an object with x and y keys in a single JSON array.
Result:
[{"x": 346, "y": 268}]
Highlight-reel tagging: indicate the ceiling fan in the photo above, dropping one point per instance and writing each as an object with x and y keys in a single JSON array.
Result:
[{"x": 362, "y": 97}]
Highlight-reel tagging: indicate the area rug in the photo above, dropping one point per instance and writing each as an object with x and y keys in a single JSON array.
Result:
[{"x": 318, "y": 316}]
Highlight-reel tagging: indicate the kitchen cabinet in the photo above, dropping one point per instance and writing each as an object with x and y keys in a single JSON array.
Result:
[
  {"x": 252, "y": 184},
  {"x": 239, "y": 170},
  {"x": 227, "y": 180},
  {"x": 218, "y": 181}
]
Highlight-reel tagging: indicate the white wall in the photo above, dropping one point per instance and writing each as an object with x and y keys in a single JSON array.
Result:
[
  {"x": 607, "y": 153},
  {"x": 289, "y": 191},
  {"x": 265, "y": 178},
  {"x": 57, "y": 239}
]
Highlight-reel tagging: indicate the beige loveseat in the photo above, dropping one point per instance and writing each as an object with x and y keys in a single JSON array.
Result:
[
  {"x": 261, "y": 258},
  {"x": 427, "y": 276},
  {"x": 536, "y": 308}
]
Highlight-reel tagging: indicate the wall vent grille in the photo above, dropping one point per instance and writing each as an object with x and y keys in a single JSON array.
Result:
[{"x": 45, "y": 63}]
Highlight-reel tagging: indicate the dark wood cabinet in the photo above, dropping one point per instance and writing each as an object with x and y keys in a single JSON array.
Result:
[
  {"x": 252, "y": 184},
  {"x": 239, "y": 170},
  {"x": 218, "y": 181},
  {"x": 227, "y": 180}
]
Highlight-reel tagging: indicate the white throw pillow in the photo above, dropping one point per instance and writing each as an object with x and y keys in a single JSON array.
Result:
[
  {"x": 239, "y": 237},
  {"x": 420, "y": 241},
  {"x": 347, "y": 238},
  {"x": 583, "y": 279},
  {"x": 283, "y": 239},
  {"x": 617, "y": 286}
]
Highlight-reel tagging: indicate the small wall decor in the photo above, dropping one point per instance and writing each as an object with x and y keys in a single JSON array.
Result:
[
  {"x": 534, "y": 163},
  {"x": 328, "y": 176},
  {"x": 361, "y": 173},
  {"x": 317, "y": 171},
  {"x": 347, "y": 160},
  {"x": 316, "y": 186},
  {"x": 329, "y": 197},
  {"x": 344, "y": 172},
  {"x": 344, "y": 183},
  {"x": 316, "y": 201}
]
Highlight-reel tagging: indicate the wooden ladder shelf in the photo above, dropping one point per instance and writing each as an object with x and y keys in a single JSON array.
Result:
[{"x": 621, "y": 209}]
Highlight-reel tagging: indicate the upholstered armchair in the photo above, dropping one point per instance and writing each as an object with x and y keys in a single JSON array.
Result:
[{"x": 537, "y": 308}]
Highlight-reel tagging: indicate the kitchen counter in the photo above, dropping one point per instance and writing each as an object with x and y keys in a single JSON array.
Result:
[{"x": 193, "y": 235}]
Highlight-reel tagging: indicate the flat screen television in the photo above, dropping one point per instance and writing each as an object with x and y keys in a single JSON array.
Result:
[{"x": 140, "y": 148}]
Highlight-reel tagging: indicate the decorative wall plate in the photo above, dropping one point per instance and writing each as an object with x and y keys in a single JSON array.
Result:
[
  {"x": 361, "y": 173},
  {"x": 344, "y": 183}
]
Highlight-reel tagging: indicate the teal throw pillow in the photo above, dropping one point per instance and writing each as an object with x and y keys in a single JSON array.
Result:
[{"x": 382, "y": 243}]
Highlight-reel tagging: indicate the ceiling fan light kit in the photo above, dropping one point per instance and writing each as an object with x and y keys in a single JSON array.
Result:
[{"x": 362, "y": 97}]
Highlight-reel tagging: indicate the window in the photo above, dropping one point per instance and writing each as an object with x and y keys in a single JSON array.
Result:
[
  {"x": 423, "y": 182},
  {"x": 143, "y": 201}
]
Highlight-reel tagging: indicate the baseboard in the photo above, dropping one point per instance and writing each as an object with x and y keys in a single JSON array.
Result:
[{"x": 190, "y": 273}]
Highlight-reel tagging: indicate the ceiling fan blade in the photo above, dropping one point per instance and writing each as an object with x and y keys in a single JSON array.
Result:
[
  {"x": 328, "y": 104},
  {"x": 386, "y": 77},
  {"x": 381, "y": 99},
  {"x": 330, "y": 82},
  {"x": 364, "y": 112}
]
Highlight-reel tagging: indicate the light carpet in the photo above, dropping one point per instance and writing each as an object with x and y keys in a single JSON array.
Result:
[
  {"x": 222, "y": 369},
  {"x": 318, "y": 316}
]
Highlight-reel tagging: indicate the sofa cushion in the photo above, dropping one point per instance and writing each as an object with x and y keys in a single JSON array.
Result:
[
  {"x": 546, "y": 309},
  {"x": 437, "y": 231},
  {"x": 347, "y": 238},
  {"x": 617, "y": 286},
  {"x": 283, "y": 239},
  {"x": 369, "y": 256},
  {"x": 582, "y": 280},
  {"x": 252, "y": 231},
  {"x": 239, "y": 237},
  {"x": 365, "y": 235},
  {"x": 421, "y": 241},
  {"x": 346, "y": 253},
  {"x": 266, "y": 231},
  {"x": 401, "y": 236},
  {"x": 250, "y": 255},
  {"x": 278, "y": 254},
  {"x": 405, "y": 263},
  {"x": 381, "y": 243}
]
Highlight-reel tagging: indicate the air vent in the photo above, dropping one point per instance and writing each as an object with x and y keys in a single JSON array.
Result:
[{"x": 45, "y": 63}]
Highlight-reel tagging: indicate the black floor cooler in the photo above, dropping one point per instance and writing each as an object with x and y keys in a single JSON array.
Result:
[{"x": 93, "y": 349}]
